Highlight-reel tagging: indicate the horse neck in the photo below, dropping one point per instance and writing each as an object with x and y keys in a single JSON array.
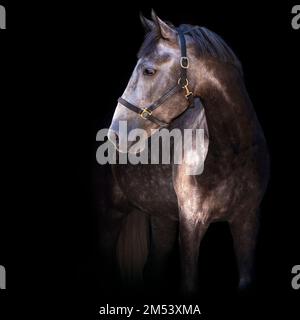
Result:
[{"x": 231, "y": 119}]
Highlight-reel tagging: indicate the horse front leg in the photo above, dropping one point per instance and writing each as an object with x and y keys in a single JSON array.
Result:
[
  {"x": 193, "y": 223},
  {"x": 191, "y": 232}
]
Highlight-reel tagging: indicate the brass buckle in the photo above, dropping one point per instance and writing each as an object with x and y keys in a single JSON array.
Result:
[
  {"x": 145, "y": 113},
  {"x": 188, "y": 93},
  {"x": 184, "y": 62}
]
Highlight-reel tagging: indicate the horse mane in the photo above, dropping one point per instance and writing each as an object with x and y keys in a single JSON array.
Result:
[{"x": 207, "y": 43}]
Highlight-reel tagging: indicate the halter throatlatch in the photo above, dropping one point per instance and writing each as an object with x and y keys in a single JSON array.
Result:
[{"x": 182, "y": 83}]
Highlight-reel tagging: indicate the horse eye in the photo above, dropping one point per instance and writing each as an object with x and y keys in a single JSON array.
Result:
[{"x": 149, "y": 71}]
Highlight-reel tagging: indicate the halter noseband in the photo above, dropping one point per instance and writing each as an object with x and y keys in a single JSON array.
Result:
[{"x": 182, "y": 83}]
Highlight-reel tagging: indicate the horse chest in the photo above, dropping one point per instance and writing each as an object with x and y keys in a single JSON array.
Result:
[{"x": 149, "y": 187}]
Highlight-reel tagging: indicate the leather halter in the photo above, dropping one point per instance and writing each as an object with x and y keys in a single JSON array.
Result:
[{"x": 182, "y": 83}]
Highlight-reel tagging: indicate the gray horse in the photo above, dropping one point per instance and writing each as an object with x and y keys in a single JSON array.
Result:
[{"x": 155, "y": 205}]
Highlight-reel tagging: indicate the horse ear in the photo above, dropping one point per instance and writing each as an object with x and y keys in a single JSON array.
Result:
[
  {"x": 167, "y": 32},
  {"x": 147, "y": 24}
]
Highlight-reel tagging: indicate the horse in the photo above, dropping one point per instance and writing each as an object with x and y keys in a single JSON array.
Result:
[{"x": 187, "y": 78}]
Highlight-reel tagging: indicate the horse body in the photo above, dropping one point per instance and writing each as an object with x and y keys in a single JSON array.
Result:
[{"x": 230, "y": 188}]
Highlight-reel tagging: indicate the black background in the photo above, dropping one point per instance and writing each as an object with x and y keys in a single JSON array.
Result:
[{"x": 62, "y": 69}]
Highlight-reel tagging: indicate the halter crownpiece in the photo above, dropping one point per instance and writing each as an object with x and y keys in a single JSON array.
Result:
[{"x": 182, "y": 83}]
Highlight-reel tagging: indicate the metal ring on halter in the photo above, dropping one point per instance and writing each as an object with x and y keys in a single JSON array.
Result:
[
  {"x": 184, "y": 62},
  {"x": 186, "y": 82},
  {"x": 145, "y": 113}
]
